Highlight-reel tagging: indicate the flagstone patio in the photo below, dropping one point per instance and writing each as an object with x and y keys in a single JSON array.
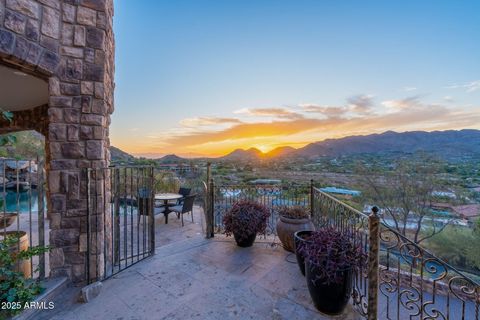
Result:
[{"x": 195, "y": 278}]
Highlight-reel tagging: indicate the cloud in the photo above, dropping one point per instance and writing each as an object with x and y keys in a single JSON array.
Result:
[
  {"x": 361, "y": 104},
  {"x": 405, "y": 103},
  {"x": 469, "y": 86},
  {"x": 207, "y": 121},
  {"x": 282, "y": 113},
  {"x": 327, "y": 111},
  {"x": 408, "y": 89},
  {"x": 448, "y": 98}
]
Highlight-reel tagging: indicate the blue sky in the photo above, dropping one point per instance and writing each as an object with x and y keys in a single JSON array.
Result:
[{"x": 204, "y": 77}]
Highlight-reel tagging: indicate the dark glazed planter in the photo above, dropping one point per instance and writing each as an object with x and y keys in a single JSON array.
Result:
[
  {"x": 331, "y": 298},
  {"x": 244, "y": 243},
  {"x": 287, "y": 227},
  {"x": 299, "y": 237}
]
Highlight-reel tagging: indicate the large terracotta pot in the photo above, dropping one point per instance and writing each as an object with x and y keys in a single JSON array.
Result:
[
  {"x": 330, "y": 298},
  {"x": 22, "y": 266},
  {"x": 286, "y": 228},
  {"x": 7, "y": 219}
]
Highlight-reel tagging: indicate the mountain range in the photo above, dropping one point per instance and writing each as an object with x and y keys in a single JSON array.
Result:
[{"x": 446, "y": 144}]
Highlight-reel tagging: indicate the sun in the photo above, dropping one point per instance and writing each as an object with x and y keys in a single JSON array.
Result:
[{"x": 262, "y": 148}]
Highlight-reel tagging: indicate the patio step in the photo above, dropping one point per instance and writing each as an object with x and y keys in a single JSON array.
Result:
[{"x": 53, "y": 288}]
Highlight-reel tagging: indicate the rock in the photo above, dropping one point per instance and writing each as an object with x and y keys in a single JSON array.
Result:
[
  {"x": 73, "y": 150},
  {"x": 6, "y": 42},
  {"x": 93, "y": 72},
  {"x": 68, "y": 14},
  {"x": 95, "y": 149},
  {"x": 86, "y": 16},
  {"x": 26, "y": 7},
  {"x": 51, "y": 23},
  {"x": 79, "y": 36},
  {"x": 32, "y": 30},
  {"x": 15, "y": 22},
  {"x": 49, "y": 62},
  {"x": 95, "y": 37},
  {"x": 33, "y": 55},
  {"x": 90, "y": 292}
]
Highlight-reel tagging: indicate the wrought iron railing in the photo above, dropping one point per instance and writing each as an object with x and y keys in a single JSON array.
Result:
[
  {"x": 402, "y": 280},
  {"x": 328, "y": 211},
  {"x": 23, "y": 211},
  {"x": 120, "y": 228},
  {"x": 415, "y": 284},
  {"x": 272, "y": 196}
]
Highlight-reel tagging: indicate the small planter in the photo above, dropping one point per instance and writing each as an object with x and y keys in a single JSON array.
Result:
[
  {"x": 328, "y": 298},
  {"x": 300, "y": 236},
  {"x": 286, "y": 228},
  {"x": 22, "y": 266},
  {"x": 245, "y": 242},
  {"x": 7, "y": 219}
]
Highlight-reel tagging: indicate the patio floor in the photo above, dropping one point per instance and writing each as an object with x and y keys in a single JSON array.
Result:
[{"x": 190, "y": 277}]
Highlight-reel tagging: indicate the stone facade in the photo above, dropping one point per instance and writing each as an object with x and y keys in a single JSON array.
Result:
[{"x": 69, "y": 44}]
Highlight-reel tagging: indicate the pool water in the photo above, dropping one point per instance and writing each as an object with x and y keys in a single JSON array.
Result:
[{"x": 21, "y": 201}]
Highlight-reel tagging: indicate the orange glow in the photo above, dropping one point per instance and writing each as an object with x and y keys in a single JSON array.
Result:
[{"x": 296, "y": 132}]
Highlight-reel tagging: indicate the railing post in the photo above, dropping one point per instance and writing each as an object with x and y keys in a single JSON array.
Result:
[
  {"x": 312, "y": 199},
  {"x": 373, "y": 263},
  {"x": 151, "y": 217},
  {"x": 209, "y": 171},
  {"x": 211, "y": 193}
]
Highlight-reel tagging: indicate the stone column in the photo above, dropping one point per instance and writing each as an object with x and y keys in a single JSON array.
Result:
[{"x": 70, "y": 44}]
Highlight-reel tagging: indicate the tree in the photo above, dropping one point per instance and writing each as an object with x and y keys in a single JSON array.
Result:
[
  {"x": 405, "y": 194},
  {"x": 8, "y": 138}
]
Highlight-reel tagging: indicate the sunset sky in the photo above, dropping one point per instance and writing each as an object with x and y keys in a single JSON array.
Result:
[{"x": 206, "y": 77}]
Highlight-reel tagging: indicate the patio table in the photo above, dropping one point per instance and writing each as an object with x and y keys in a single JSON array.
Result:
[{"x": 165, "y": 197}]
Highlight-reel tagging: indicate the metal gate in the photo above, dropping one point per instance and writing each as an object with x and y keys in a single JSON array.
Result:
[{"x": 120, "y": 215}]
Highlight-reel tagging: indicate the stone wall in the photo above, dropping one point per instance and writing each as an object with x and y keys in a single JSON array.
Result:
[{"x": 70, "y": 44}]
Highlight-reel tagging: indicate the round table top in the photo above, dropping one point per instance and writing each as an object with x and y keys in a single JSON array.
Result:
[{"x": 167, "y": 196}]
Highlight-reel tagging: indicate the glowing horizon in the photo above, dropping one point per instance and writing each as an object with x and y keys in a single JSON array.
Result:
[{"x": 203, "y": 78}]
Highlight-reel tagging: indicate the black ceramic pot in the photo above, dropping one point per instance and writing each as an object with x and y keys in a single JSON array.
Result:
[
  {"x": 300, "y": 236},
  {"x": 330, "y": 298},
  {"x": 246, "y": 242}
]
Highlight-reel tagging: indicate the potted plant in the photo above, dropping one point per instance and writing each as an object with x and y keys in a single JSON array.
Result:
[
  {"x": 14, "y": 284},
  {"x": 7, "y": 219},
  {"x": 244, "y": 220},
  {"x": 330, "y": 260},
  {"x": 299, "y": 239},
  {"x": 291, "y": 220}
]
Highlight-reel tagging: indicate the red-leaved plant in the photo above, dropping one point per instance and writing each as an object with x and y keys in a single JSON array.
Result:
[
  {"x": 246, "y": 218},
  {"x": 332, "y": 253}
]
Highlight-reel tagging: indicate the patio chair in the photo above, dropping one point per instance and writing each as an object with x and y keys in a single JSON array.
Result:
[
  {"x": 184, "y": 192},
  {"x": 186, "y": 207}
]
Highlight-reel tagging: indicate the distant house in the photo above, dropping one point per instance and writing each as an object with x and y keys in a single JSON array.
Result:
[
  {"x": 266, "y": 181},
  {"x": 346, "y": 192},
  {"x": 467, "y": 211},
  {"x": 177, "y": 167}
]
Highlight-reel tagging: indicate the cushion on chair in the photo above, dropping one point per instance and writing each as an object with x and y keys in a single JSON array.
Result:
[
  {"x": 176, "y": 208},
  {"x": 159, "y": 210}
]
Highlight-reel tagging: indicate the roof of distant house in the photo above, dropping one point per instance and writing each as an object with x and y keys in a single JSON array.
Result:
[
  {"x": 467, "y": 210},
  {"x": 266, "y": 181},
  {"x": 341, "y": 191}
]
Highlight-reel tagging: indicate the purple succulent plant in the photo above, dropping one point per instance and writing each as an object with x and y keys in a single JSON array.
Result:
[
  {"x": 245, "y": 218},
  {"x": 332, "y": 253}
]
